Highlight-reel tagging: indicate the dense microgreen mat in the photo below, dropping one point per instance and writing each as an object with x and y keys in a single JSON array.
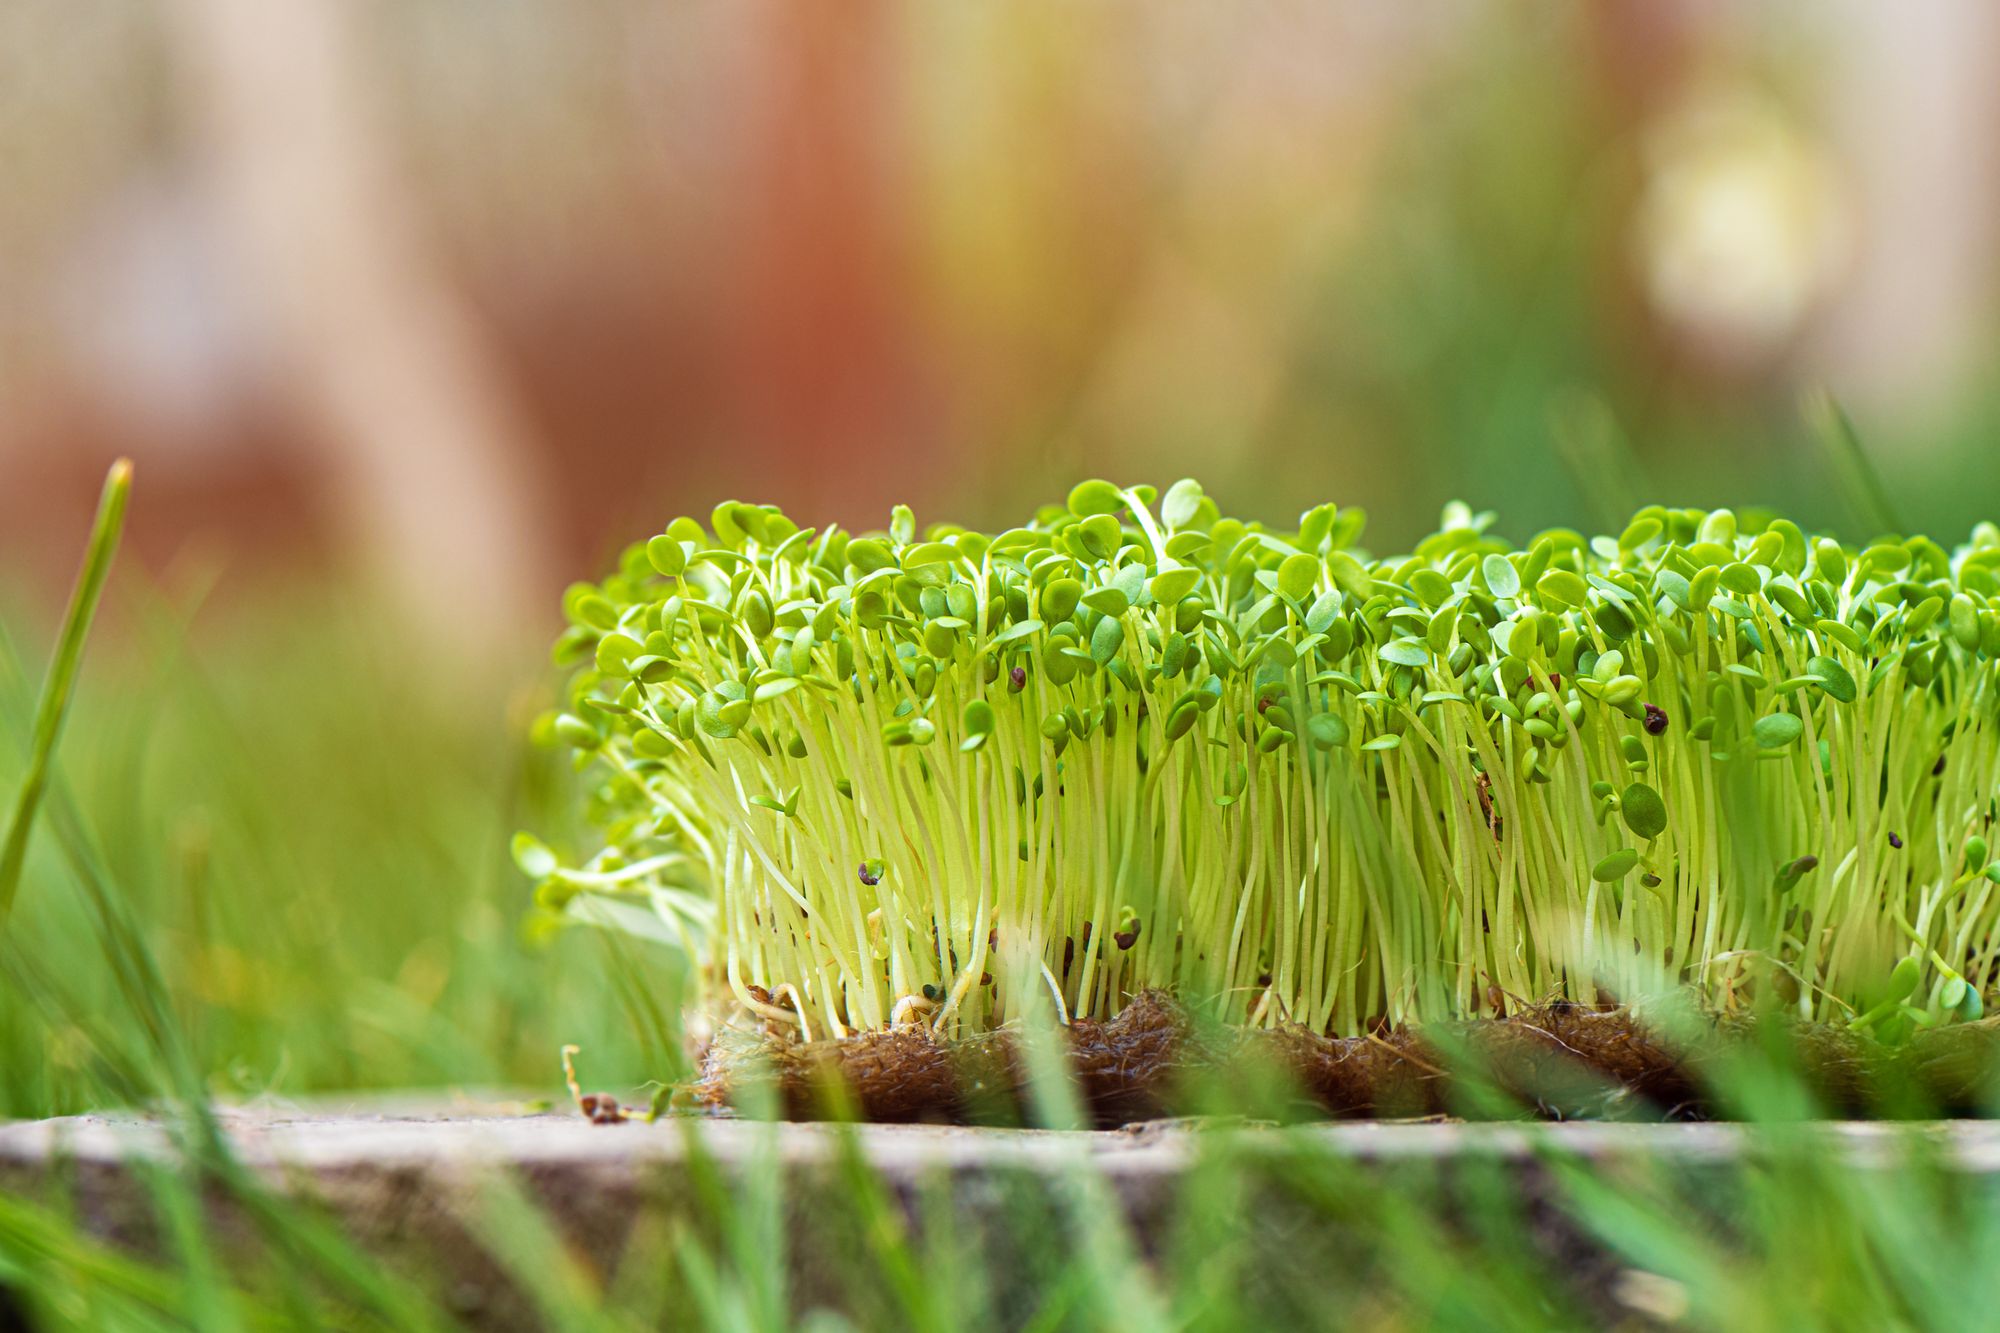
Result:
[{"x": 925, "y": 775}]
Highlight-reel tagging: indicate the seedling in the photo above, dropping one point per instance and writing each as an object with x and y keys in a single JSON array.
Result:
[{"x": 896, "y": 777}]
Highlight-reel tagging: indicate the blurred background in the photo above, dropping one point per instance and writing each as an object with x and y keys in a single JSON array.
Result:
[{"x": 412, "y": 312}]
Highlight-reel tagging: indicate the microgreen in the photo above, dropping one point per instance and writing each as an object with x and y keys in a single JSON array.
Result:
[{"x": 1130, "y": 745}]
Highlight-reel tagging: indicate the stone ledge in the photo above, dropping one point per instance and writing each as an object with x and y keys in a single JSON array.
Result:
[
  {"x": 407, "y": 1182},
  {"x": 476, "y": 1135}
]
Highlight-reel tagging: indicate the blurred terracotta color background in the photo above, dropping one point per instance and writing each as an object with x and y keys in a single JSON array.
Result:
[{"x": 452, "y": 297}]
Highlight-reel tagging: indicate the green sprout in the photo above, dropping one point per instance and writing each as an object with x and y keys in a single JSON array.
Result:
[{"x": 898, "y": 776}]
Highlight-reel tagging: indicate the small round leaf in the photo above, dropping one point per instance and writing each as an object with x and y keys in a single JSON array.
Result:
[
  {"x": 1777, "y": 731},
  {"x": 1297, "y": 575},
  {"x": 533, "y": 856},
  {"x": 666, "y": 555},
  {"x": 1615, "y": 866},
  {"x": 1832, "y": 677},
  {"x": 1404, "y": 652},
  {"x": 1645, "y": 813},
  {"x": 1095, "y": 497}
]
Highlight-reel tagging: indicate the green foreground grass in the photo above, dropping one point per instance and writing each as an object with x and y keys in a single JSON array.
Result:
[{"x": 272, "y": 864}]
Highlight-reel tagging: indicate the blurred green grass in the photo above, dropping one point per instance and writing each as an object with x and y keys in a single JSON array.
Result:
[{"x": 310, "y": 832}]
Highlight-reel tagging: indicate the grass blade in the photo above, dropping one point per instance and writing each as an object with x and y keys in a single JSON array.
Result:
[
  {"x": 1860, "y": 485},
  {"x": 1598, "y": 458},
  {"x": 61, "y": 681}
]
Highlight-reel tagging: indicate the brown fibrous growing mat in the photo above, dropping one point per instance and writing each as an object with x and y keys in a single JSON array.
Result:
[{"x": 1559, "y": 1060}]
